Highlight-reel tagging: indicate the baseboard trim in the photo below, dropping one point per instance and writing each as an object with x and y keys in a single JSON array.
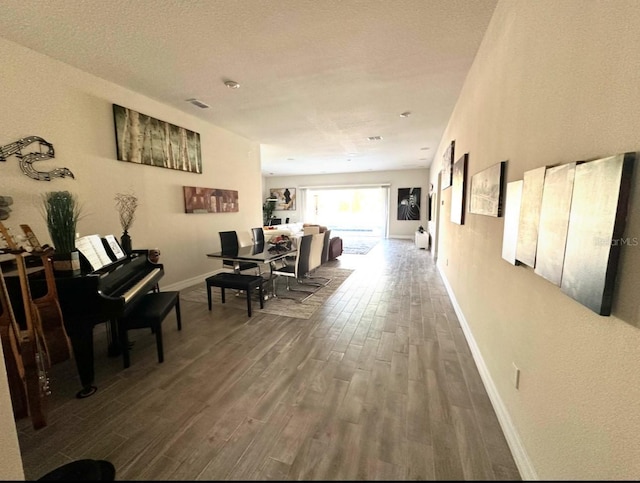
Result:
[
  {"x": 190, "y": 281},
  {"x": 520, "y": 456}
]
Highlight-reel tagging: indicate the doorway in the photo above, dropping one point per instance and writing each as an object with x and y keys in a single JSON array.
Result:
[{"x": 357, "y": 214}]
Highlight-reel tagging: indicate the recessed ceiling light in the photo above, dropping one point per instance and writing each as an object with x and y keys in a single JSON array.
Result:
[
  {"x": 348, "y": 160},
  {"x": 424, "y": 149},
  {"x": 405, "y": 114},
  {"x": 198, "y": 103},
  {"x": 374, "y": 138},
  {"x": 422, "y": 159},
  {"x": 231, "y": 84},
  {"x": 290, "y": 159}
]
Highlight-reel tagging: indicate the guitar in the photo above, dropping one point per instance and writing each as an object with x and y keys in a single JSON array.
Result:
[
  {"x": 9, "y": 335},
  {"x": 31, "y": 351},
  {"x": 52, "y": 331}
]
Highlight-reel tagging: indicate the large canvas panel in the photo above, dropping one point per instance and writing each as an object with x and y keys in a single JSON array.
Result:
[
  {"x": 596, "y": 226},
  {"x": 210, "y": 200},
  {"x": 486, "y": 191},
  {"x": 143, "y": 139},
  {"x": 447, "y": 165},
  {"x": 458, "y": 189},
  {"x": 285, "y": 198},
  {"x": 409, "y": 203},
  {"x": 511, "y": 219},
  {"x": 530, "y": 216},
  {"x": 554, "y": 221}
]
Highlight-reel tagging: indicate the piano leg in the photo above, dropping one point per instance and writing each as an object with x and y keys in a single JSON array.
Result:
[
  {"x": 82, "y": 343},
  {"x": 114, "y": 349}
]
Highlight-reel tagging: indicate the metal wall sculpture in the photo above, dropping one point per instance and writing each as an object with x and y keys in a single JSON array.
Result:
[{"x": 45, "y": 151}]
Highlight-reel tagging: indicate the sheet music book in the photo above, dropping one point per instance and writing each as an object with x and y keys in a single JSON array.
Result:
[
  {"x": 115, "y": 247},
  {"x": 93, "y": 250}
]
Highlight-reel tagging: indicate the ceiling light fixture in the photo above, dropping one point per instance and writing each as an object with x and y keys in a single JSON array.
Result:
[
  {"x": 231, "y": 84},
  {"x": 405, "y": 114}
]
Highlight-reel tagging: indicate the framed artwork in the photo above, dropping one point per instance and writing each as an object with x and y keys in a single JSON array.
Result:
[
  {"x": 409, "y": 203},
  {"x": 511, "y": 218},
  {"x": 596, "y": 228},
  {"x": 209, "y": 200},
  {"x": 458, "y": 189},
  {"x": 143, "y": 139},
  {"x": 286, "y": 198},
  {"x": 530, "y": 216},
  {"x": 447, "y": 165},
  {"x": 554, "y": 221},
  {"x": 486, "y": 191}
]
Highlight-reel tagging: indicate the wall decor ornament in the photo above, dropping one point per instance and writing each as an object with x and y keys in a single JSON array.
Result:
[
  {"x": 596, "y": 227},
  {"x": 210, "y": 200},
  {"x": 285, "y": 198},
  {"x": 554, "y": 221},
  {"x": 458, "y": 189},
  {"x": 126, "y": 204},
  {"x": 409, "y": 203},
  {"x": 511, "y": 218},
  {"x": 143, "y": 139},
  {"x": 447, "y": 165},
  {"x": 486, "y": 191},
  {"x": 45, "y": 151},
  {"x": 530, "y": 216}
]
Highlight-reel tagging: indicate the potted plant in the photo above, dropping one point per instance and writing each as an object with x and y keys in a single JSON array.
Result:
[
  {"x": 267, "y": 210},
  {"x": 126, "y": 204},
  {"x": 62, "y": 212}
]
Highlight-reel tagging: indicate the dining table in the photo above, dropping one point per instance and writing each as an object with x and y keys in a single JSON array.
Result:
[{"x": 266, "y": 253}]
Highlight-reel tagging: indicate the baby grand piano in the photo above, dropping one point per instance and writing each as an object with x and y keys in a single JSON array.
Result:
[{"x": 91, "y": 297}]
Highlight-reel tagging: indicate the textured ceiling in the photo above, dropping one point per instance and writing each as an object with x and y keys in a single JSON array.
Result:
[{"x": 317, "y": 77}]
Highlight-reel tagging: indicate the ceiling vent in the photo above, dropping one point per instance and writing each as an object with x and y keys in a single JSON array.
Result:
[
  {"x": 198, "y": 103},
  {"x": 374, "y": 138}
]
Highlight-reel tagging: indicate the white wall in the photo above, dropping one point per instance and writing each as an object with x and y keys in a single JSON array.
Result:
[
  {"x": 410, "y": 178},
  {"x": 73, "y": 110},
  {"x": 553, "y": 82}
]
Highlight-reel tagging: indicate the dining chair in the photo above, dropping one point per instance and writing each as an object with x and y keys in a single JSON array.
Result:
[
  {"x": 296, "y": 271},
  {"x": 230, "y": 245},
  {"x": 258, "y": 235},
  {"x": 315, "y": 260}
]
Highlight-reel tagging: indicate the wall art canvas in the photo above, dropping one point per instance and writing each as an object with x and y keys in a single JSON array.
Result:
[
  {"x": 447, "y": 165},
  {"x": 143, "y": 139},
  {"x": 209, "y": 200},
  {"x": 511, "y": 219},
  {"x": 530, "y": 216},
  {"x": 554, "y": 221},
  {"x": 596, "y": 229},
  {"x": 486, "y": 191},
  {"x": 286, "y": 198},
  {"x": 458, "y": 189},
  {"x": 409, "y": 203}
]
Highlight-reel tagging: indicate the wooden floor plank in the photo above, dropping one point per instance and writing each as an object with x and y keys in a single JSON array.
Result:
[{"x": 378, "y": 384}]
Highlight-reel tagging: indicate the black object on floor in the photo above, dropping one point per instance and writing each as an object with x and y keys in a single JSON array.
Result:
[{"x": 87, "y": 470}]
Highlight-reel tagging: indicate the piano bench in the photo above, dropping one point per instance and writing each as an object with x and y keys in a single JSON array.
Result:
[
  {"x": 236, "y": 281},
  {"x": 149, "y": 313}
]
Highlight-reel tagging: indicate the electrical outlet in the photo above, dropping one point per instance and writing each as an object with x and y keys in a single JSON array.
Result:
[{"x": 516, "y": 376}]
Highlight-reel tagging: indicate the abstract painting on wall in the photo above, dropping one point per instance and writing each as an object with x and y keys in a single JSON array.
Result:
[
  {"x": 143, "y": 139},
  {"x": 511, "y": 217},
  {"x": 285, "y": 198},
  {"x": 209, "y": 200},
  {"x": 447, "y": 165},
  {"x": 486, "y": 191},
  {"x": 409, "y": 203},
  {"x": 596, "y": 228},
  {"x": 530, "y": 216},
  {"x": 554, "y": 221},
  {"x": 458, "y": 189}
]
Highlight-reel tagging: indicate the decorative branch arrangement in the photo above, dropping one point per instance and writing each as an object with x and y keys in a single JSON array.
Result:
[{"x": 126, "y": 204}]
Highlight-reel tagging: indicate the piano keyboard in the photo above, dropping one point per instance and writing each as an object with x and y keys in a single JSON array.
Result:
[{"x": 133, "y": 291}]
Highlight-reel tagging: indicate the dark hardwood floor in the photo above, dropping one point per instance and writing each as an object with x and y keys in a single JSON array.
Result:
[{"x": 379, "y": 384}]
